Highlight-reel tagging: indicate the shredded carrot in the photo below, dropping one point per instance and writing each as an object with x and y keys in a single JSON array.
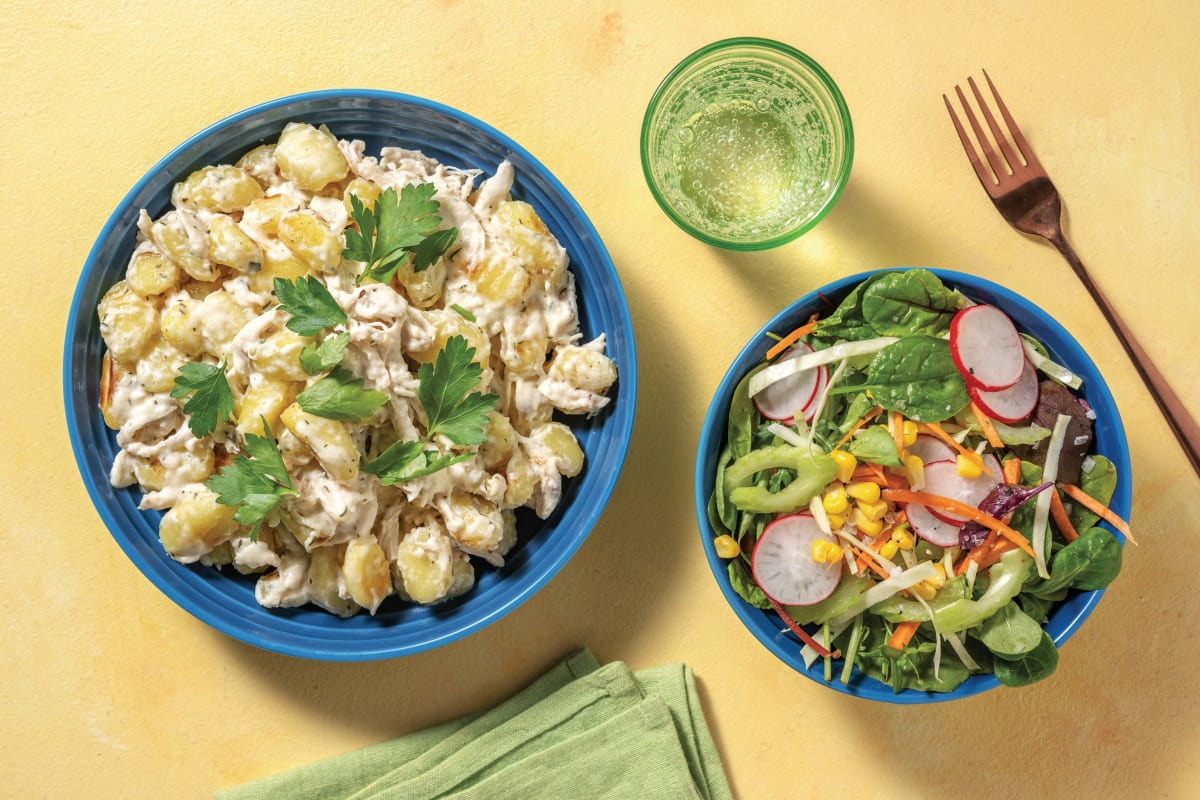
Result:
[
  {"x": 1001, "y": 547},
  {"x": 863, "y": 420},
  {"x": 985, "y": 423},
  {"x": 1059, "y": 512},
  {"x": 961, "y": 509},
  {"x": 977, "y": 552},
  {"x": 1012, "y": 470},
  {"x": 940, "y": 432},
  {"x": 903, "y": 634},
  {"x": 792, "y": 338},
  {"x": 866, "y": 561},
  {"x": 874, "y": 473},
  {"x": 1091, "y": 504},
  {"x": 896, "y": 428}
]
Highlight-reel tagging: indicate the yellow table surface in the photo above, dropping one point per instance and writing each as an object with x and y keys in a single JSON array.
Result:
[{"x": 110, "y": 690}]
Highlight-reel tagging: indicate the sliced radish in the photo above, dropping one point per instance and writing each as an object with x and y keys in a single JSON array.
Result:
[
  {"x": 1012, "y": 404},
  {"x": 930, "y": 528},
  {"x": 783, "y": 565},
  {"x": 814, "y": 404},
  {"x": 986, "y": 347},
  {"x": 782, "y": 399},
  {"x": 942, "y": 479},
  {"x": 930, "y": 449}
]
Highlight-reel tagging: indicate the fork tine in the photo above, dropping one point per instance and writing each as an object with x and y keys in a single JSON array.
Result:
[
  {"x": 1018, "y": 137},
  {"x": 985, "y": 177},
  {"x": 985, "y": 145},
  {"x": 997, "y": 134}
]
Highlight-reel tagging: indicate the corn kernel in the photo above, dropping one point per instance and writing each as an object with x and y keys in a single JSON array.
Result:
[
  {"x": 903, "y": 538},
  {"x": 836, "y": 521},
  {"x": 727, "y": 546},
  {"x": 910, "y": 432},
  {"x": 914, "y": 470},
  {"x": 926, "y": 591},
  {"x": 871, "y": 527},
  {"x": 824, "y": 551},
  {"x": 834, "y": 500},
  {"x": 889, "y": 549},
  {"x": 969, "y": 466},
  {"x": 864, "y": 490},
  {"x": 846, "y": 462},
  {"x": 939, "y": 579},
  {"x": 873, "y": 511}
]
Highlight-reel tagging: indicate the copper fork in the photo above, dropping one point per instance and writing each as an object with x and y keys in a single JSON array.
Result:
[{"x": 1025, "y": 197}]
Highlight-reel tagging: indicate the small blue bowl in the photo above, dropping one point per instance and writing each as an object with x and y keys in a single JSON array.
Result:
[
  {"x": 225, "y": 599},
  {"x": 1109, "y": 441}
]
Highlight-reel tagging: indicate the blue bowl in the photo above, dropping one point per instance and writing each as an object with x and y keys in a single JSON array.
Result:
[
  {"x": 1109, "y": 441},
  {"x": 225, "y": 599}
]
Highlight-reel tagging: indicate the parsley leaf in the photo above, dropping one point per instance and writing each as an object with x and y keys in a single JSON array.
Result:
[
  {"x": 211, "y": 401},
  {"x": 405, "y": 460},
  {"x": 312, "y": 307},
  {"x": 427, "y": 253},
  {"x": 315, "y": 359},
  {"x": 341, "y": 396},
  {"x": 398, "y": 224},
  {"x": 443, "y": 392},
  {"x": 255, "y": 484}
]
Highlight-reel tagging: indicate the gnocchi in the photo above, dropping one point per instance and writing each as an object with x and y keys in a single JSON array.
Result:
[{"x": 200, "y": 287}]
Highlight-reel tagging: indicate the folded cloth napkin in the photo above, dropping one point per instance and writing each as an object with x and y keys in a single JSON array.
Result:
[{"x": 582, "y": 730}]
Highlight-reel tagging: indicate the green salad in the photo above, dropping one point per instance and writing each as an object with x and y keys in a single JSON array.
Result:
[{"x": 909, "y": 483}]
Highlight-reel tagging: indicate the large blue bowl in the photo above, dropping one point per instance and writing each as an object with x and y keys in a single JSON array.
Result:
[
  {"x": 225, "y": 600},
  {"x": 1110, "y": 442}
]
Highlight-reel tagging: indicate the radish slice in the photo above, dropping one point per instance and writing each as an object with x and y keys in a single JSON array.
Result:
[
  {"x": 930, "y": 449},
  {"x": 782, "y": 399},
  {"x": 1013, "y": 404},
  {"x": 942, "y": 479},
  {"x": 987, "y": 348},
  {"x": 930, "y": 528},
  {"x": 814, "y": 404},
  {"x": 783, "y": 565}
]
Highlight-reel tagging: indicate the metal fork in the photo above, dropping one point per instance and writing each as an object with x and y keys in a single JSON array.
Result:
[{"x": 1025, "y": 197}]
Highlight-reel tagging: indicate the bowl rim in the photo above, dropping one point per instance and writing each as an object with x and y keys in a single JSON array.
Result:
[
  {"x": 280, "y": 634},
  {"x": 712, "y": 436},
  {"x": 805, "y": 61}
]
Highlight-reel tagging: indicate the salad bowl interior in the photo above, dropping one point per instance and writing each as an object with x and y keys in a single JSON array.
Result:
[
  {"x": 226, "y": 600},
  {"x": 1065, "y": 618}
]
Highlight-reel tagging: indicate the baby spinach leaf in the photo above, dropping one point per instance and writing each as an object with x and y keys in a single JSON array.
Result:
[
  {"x": 742, "y": 415},
  {"x": 909, "y": 302},
  {"x": 1040, "y": 663},
  {"x": 1090, "y": 562},
  {"x": 743, "y": 583},
  {"x": 846, "y": 321},
  {"x": 917, "y": 376},
  {"x": 1100, "y": 482},
  {"x": 876, "y": 445},
  {"x": 1010, "y": 633}
]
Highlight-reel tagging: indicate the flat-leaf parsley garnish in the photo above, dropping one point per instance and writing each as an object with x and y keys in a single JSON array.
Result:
[
  {"x": 255, "y": 483},
  {"x": 341, "y": 396},
  {"x": 451, "y": 409},
  {"x": 315, "y": 359},
  {"x": 312, "y": 307},
  {"x": 398, "y": 225},
  {"x": 211, "y": 400}
]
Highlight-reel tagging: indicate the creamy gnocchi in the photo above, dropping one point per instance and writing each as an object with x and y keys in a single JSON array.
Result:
[{"x": 199, "y": 287}]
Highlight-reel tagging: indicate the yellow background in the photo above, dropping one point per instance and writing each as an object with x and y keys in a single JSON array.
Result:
[{"x": 109, "y": 690}]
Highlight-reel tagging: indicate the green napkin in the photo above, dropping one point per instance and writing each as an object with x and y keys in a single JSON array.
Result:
[{"x": 581, "y": 730}]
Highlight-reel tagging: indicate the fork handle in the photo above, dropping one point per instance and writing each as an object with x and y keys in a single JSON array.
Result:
[{"x": 1182, "y": 424}]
